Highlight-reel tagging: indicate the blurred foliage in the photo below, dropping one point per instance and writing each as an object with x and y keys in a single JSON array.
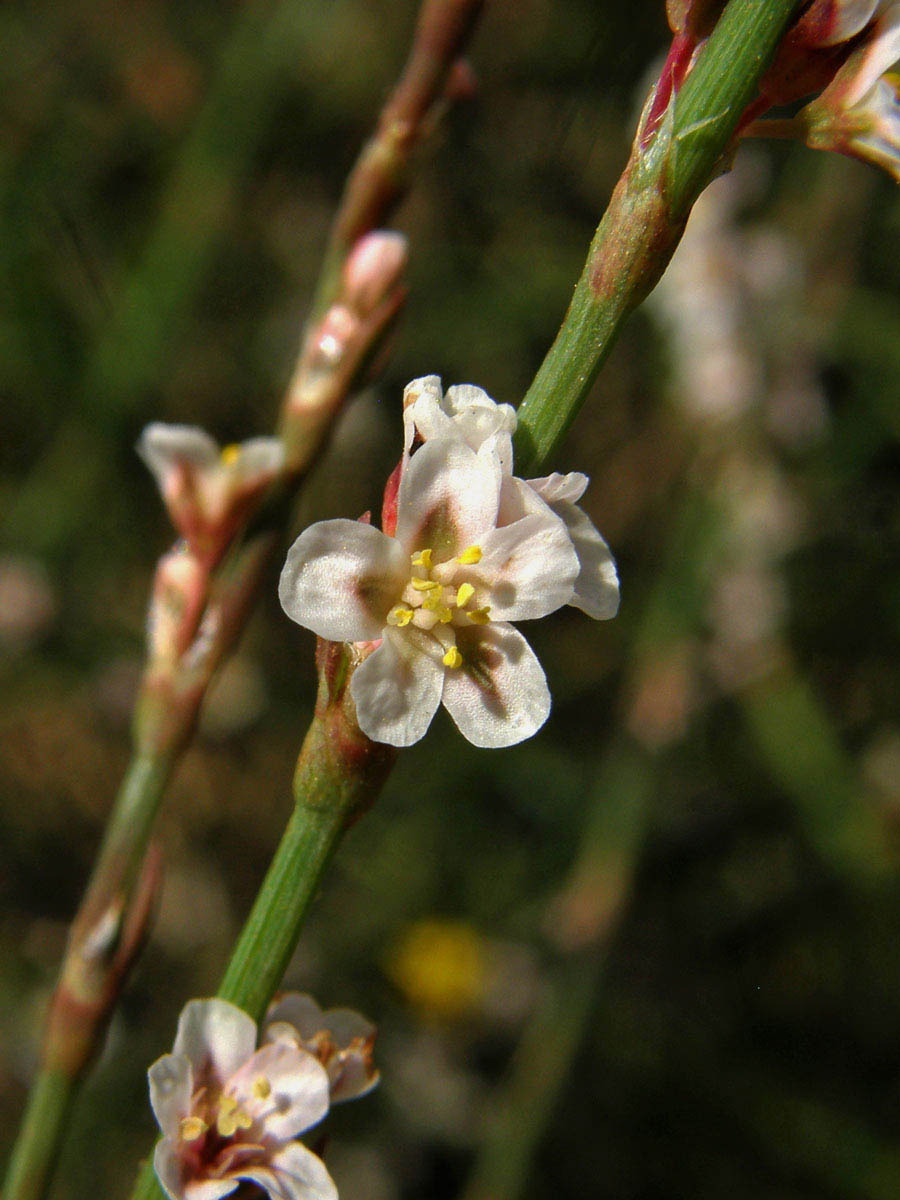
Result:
[{"x": 167, "y": 172}]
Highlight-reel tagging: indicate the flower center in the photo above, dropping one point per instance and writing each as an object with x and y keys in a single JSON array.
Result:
[{"x": 435, "y": 601}]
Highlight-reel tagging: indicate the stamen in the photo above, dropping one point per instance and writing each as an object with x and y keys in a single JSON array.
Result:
[
  {"x": 424, "y": 585},
  {"x": 469, "y": 556},
  {"x": 230, "y": 455},
  {"x": 452, "y": 658},
  {"x": 464, "y": 594},
  {"x": 422, "y": 559},
  {"x": 231, "y": 1117},
  {"x": 262, "y": 1089},
  {"x": 399, "y": 616},
  {"x": 445, "y": 616},
  {"x": 192, "y": 1128},
  {"x": 479, "y": 616}
]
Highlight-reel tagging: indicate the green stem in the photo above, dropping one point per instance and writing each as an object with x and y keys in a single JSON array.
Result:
[
  {"x": 117, "y": 903},
  {"x": 339, "y": 774},
  {"x": 37, "y": 1147},
  {"x": 646, "y": 216}
]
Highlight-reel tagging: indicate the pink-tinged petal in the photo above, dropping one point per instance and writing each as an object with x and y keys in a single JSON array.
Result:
[
  {"x": 555, "y": 488},
  {"x": 448, "y": 498},
  {"x": 302, "y": 1174},
  {"x": 829, "y": 22},
  {"x": 171, "y": 1088},
  {"x": 499, "y": 695},
  {"x": 299, "y": 1010},
  {"x": 211, "y": 1189},
  {"x": 295, "y": 1086},
  {"x": 527, "y": 569},
  {"x": 341, "y": 578},
  {"x": 397, "y": 689},
  {"x": 341, "y": 1039},
  {"x": 216, "y": 1038},
  {"x": 161, "y": 446},
  {"x": 167, "y": 1165},
  {"x": 597, "y": 586}
]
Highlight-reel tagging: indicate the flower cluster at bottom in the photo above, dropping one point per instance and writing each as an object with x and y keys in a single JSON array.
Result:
[{"x": 232, "y": 1113}]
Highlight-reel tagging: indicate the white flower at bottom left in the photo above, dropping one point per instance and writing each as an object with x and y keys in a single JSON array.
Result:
[{"x": 230, "y": 1113}]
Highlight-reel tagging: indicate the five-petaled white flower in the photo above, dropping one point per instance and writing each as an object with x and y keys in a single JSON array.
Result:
[
  {"x": 208, "y": 490},
  {"x": 473, "y": 549},
  {"x": 231, "y": 1113}
]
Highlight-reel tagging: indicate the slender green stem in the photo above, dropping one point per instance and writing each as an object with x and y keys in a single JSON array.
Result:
[
  {"x": 37, "y": 1147},
  {"x": 645, "y": 219},
  {"x": 339, "y": 774}
]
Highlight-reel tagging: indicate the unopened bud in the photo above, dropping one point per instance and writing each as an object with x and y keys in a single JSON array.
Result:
[
  {"x": 373, "y": 269},
  {"x": 338, "y": 329}
]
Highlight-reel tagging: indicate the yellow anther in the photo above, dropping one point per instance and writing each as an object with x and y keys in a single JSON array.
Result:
[
  {"x": 262, "y": 1089},
  {"x": 452, "y": 658},
  {"x": 191, "y": 1128},
  {"x": 469, "y": 556},
  {"x": 424, "y": 585},
  {"x": 399, "y": 616},
  {"x": 230, "y": 455},
  {"x": 464, "y": 594},
  {"x": 422, "y": 559},
  {"x": 479, "y": 616},
  {"x": 445, "y": 616},
  {"x": 231, "y": 1117}
]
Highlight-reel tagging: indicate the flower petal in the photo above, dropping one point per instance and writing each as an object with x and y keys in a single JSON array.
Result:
[
  {"x": 167, "y": 1165},
  {"x": 161, "y": 446},
  {"x": 260, "y": 456},
  {"x": 499, "y": 695},
  {"x": 341, "y": 578},
  {"x": 527, "y": 569},
  {"x": 597, "y": 586},
  {"x": 397, "y": 689},
  {"x": 216, "y": 1038},
  {"x": 423, "y": 412},
  {"x": 294, "y": 1173},
  {"x": 171, "y": 1087},
  {"x": 556, "y": 487},
  {"x": 448, "y": 498},
  {"x": 211, "y": 1189},
  {"x": 295, "y": 1090}
]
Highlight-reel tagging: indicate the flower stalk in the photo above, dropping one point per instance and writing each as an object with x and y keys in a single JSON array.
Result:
[
  {"x": 434, "y": 73},
  {"x": 338, "y": 776},
  {"x": 647, "y": 214}
]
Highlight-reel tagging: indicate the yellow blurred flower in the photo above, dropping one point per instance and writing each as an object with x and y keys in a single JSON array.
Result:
[{"x": 441, "y": 967}]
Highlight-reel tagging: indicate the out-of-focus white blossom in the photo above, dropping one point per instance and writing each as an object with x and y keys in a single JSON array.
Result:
[
  {"x": 208, "y": 490},
  {"x": 340, "y": 1039}
]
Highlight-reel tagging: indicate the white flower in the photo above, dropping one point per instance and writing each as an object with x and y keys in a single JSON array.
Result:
[
  {"x": 469, "y": 413},
  {"x": 231, "y": 1113},
  {"x": 341, "y": 1040},
  {"x": 439, "y": 596},
  {"x": 208, "y": 490}
]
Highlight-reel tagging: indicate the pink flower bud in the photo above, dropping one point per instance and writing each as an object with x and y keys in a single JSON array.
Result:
[{"x": 374, "y": 268}]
